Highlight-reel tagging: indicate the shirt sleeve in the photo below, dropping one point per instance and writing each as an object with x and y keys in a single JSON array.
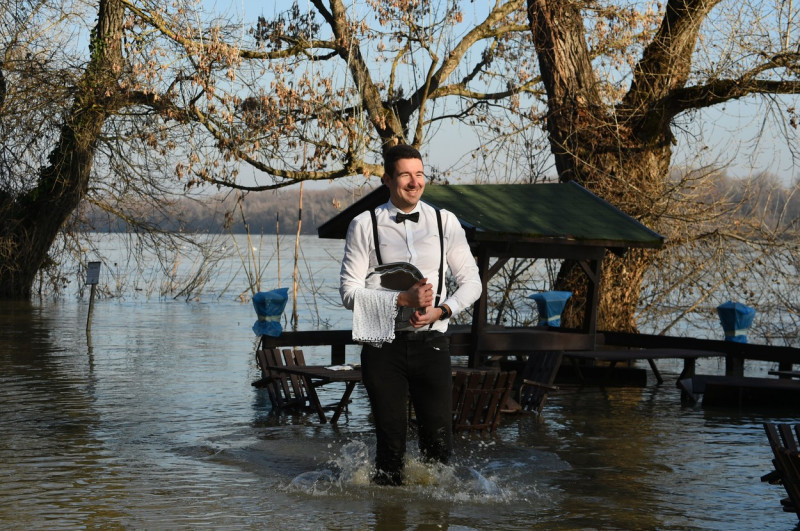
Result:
[
  {"x": 462, "y": 266},
  {"x": 355, "y": 262}
]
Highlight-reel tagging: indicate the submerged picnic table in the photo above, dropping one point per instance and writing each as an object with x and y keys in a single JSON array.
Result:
[
  {"x": 319, "y": 375},
  {"x": 478, "y": 395}
]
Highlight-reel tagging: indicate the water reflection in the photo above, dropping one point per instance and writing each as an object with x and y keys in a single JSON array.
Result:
[{"x": 49, "y": 440}]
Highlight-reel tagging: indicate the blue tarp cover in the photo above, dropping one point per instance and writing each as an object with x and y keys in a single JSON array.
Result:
[
  {"x": 550, "y": 305},
  {"x": 269, "y": 307},
  {"x": 736, "y": 319}
]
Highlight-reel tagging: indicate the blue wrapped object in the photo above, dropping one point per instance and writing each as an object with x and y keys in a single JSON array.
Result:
[
  {"x": 269, "y": 307},
  {"x": 736, "y": 319},
  {"x": 550, "y": 305}
]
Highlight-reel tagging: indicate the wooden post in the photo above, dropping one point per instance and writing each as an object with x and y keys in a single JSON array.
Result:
[
  {"x": 295, "y": 275},
  {"x": 338, "y": 354},
  {"x": 734, "y": 366},
  {"x": 92, "y": 278},
  {"x": 479, "y": 308}
]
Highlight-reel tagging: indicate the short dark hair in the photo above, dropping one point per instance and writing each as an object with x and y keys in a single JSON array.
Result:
[{"x": 395, "y": 153}]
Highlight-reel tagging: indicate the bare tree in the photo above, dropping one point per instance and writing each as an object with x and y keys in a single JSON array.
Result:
[
  {"x": 739, "y": 245},
  {"x": 171, "y": 98},
  {"x": 322, "y": 90},
  {"x": 37, "y": 204},
  {"x": 618, "y": 76}
]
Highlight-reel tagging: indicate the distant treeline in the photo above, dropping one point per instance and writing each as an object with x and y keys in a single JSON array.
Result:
[
  {"x": 259, "y": 212},
  {"x": 762, "y": 199}
]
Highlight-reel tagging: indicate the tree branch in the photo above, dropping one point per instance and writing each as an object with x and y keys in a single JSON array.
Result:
[
  {"x": 483, "y": 30},
  {"x": 531, "y": 87},
  {"x": 165, "y": 29},
  {"x": 667, "y": 60},
  {"x": 720, "y": 91}
]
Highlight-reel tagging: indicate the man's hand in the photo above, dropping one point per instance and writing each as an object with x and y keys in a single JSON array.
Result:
[
  {"x": 420, "y": 295},
  {"x": 425, "y": 316}
]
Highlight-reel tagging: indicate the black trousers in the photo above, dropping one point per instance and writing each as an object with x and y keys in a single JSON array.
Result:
[{"x": 419, "y": 368}]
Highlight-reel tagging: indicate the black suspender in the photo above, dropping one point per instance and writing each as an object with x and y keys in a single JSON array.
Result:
[
  {"x": 441, "y": 262},
  {"x": 375, "y": 236},
  {"x": 441, "y": 248},
  {"x": 441, "y": 257}
]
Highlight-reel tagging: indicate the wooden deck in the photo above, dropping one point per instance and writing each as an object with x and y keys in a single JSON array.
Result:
[{"x": 513, "y": 340}]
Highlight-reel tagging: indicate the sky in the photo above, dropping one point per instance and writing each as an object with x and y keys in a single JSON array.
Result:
[{"x": 744, "y": 134}]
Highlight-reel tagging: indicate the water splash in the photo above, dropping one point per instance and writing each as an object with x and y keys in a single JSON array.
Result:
[
  {"x": 314, "y": 482},
  {"x": 484, "y": 485},
  {"x": 354, "y": 464},
  {"x": 352, "y": 467},
  {"x": 455, "y": 483},
  {"x": 352, "y": 470}
]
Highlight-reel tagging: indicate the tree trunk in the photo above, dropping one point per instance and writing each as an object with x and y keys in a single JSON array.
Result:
[
  {"x": 32, "y": 220},
  {"x": 602, "y": 148}
]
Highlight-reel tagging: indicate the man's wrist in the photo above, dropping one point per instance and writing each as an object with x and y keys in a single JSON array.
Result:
[{"x": 446, "y": 313}]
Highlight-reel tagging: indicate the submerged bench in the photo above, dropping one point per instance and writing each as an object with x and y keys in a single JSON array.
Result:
[
  {"x": 784, "y": 447},
  {"x": 650, "y": 354},
  {"x": 479, "y": 397}
]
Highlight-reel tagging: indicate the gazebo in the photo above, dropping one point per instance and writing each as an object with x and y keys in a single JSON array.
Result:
[{"x": 503, "y": 221}]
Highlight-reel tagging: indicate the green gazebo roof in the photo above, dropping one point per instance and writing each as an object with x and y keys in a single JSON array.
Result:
[{"x": 560, "y": 213}]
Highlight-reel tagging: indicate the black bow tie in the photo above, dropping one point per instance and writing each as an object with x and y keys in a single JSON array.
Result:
[{"x": 410, "y": 217}]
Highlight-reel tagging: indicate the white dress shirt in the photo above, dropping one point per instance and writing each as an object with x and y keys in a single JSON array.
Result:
[{"x": 416, "y": 243}]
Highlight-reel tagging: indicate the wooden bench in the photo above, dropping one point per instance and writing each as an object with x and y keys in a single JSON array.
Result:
[
  {"x": 538, "y": 376},
  {"x": 286, "y": 391},
  {"x": 784, "y": 447},
  {"x": 785, "y": 374},
  {"x": 735, "y": 391},
  {"x": 650, "y": 354},
  {"x": 479, "y": 397}
]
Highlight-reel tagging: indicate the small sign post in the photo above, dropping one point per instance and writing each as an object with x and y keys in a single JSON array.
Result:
[{"x": 92, "y": 278}]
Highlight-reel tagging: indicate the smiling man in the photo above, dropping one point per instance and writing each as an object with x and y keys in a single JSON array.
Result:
[{"x": 414, "y": 359}]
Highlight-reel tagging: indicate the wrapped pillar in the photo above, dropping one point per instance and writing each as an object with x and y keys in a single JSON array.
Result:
[
  {"x": 550, "y": 305},
  {"x": 269, "y": 307},
  {"x": 736, "y": 319}
]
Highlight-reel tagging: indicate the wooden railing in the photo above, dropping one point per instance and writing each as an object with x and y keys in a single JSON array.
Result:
[
  {"x": 509, "y": 341},
  {"x": 493, "y": 341},
  {"x": 734, "y": 353}
]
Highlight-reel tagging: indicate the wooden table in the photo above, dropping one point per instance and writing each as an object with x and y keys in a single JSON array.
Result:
[{"x": 319, "y": 375}]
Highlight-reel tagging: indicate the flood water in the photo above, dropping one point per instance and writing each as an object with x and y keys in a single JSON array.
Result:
[{"x": 151, "y": 422}]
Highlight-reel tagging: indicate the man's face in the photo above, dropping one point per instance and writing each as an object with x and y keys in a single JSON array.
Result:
[{"x": 407, "y": 184}]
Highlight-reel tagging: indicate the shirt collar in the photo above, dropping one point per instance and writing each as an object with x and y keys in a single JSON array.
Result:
[{"x": 393, "y": 210}]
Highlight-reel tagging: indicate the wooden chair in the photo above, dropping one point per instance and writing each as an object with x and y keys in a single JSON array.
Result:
[
  {"x": 286, "y": 391},
  {"x": 478, "y": 399},
  {"x": 537, "y": 379},
  {"x": 784, "y": 447}
]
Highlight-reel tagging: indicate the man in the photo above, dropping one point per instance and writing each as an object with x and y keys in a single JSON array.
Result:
[{"x": 416, "y": 362}]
